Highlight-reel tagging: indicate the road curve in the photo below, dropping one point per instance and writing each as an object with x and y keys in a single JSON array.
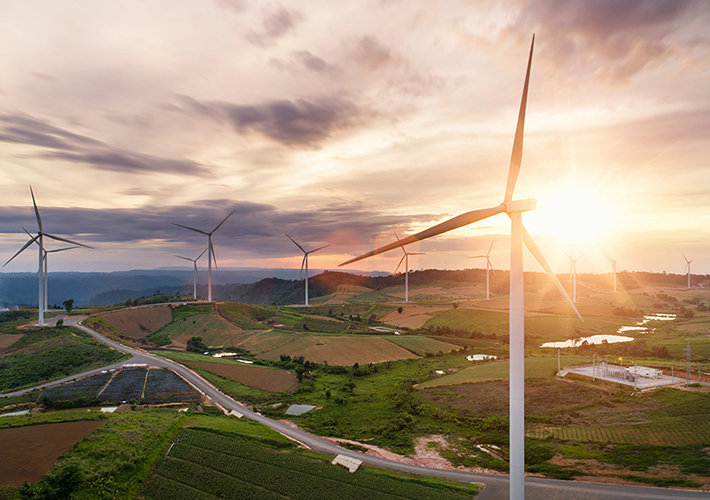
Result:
[{"x": 496, "y": 487}]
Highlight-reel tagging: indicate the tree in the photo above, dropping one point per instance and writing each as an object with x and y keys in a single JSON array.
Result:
[
  {"x": 195, "y": 344},
  {"x": 399, "y": 309},
  {"x": 68, "y": 305},
  {"x": 129, "y": 302},
  {"x": 60, "y": 324},
  {"x": 456, "y": 305}
]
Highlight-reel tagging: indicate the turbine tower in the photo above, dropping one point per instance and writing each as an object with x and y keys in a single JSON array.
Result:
[
  {"x": 405, "y": 258},
  {"x": 518, "y": 236},
  {"x": 687, "y": 267},
  {"x": 39, "y": 239},
  {"x": 194, "y": 261},
  {"x": 305, "y": 261},
  {"x": 489, "y": 266},
  {"x": 573, "y": 272},
  {"x": 210, "y": 253},
  {"x": 613, "y": 270}
]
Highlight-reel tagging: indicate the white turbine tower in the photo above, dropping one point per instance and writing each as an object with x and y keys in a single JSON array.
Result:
[
  {"x": 405, "y": 258},
  {"x": 210, "y": 252},
  {"x": 194, "y": 261},
  {"x": 687, "y": 267},
  {"x": 489, "y": 266},
  {"x": 573, "y": 272},
  {"x": 39, "y": 239},
  {"x": 305, "y": 261},
  {"x": 514, "y": 210},
  {"x": 613, "y": 270}
]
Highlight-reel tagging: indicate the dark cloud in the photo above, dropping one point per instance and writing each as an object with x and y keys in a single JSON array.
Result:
[
  {"x": 305, "y": 60},
  {"x": 254, "y": 228},
  {"x": 614, "y": 39},
  {"x": 371, "y": 55},
  {"x": 275, "y": 24},
  {"x": 60, "y": 144},
  {"x": 299, "y": 123}
]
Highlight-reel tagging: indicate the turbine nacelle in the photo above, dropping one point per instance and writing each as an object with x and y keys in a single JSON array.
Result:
[{"x": 519, "y": 205}]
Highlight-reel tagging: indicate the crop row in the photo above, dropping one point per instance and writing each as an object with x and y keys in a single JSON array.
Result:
[
  {"x": 289, "y": 474},
  {"x": 85, "y": 388},
  {"x": 677, "y": 434},
  {"x": 164, "y": 386},
  {"x": 126, "y": 385},
  {"x": 160, "y": 488}
]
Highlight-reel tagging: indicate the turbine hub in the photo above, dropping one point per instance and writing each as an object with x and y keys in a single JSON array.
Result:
[{"x": 520, "y": 205}]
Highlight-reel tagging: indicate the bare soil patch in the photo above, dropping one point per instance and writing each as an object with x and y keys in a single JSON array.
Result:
[
  {"x": 260, "y": 378},
  {"x": 341, "y": 350},
  {"x": 29, "y": 452},
  {"x": 139, "y": 322},
  {"x": 6, "y": 340},
  {"x": 412, "y": 316}
]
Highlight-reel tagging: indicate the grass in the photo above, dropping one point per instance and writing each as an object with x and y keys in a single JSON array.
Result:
[{"x": 421, "y": 345}]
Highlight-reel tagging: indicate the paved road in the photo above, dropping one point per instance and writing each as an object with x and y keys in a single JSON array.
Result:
[{"x": 496, "y": 487}]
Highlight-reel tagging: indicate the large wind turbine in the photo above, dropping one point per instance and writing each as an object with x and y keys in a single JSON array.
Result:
[
  {"x": 489, "y": 266},
  {"x": 613, "y": 270},
  {"x": 305, "y": 261},
  {"x": 514, "y": 210},
  {"x": 194, "y": 261},
  {"x": 573, "y": 272},
  {"x": 405, "y": 258},
  {"x": 39, "y": 239},
  {"x": 210, "y": 253},
  {"x": 687, "y": 267}
]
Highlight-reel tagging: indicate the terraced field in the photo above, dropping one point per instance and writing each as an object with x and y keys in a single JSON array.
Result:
[
  {"x": 214, "y": 330},
  {"x": 677, "y": 434},
  {"x": 137, "y": 323}
]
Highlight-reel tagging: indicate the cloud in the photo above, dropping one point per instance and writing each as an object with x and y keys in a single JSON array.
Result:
[
  {"x": 76, "y": 148},
  {"x": 613, "y": 39},
  {"x": 371, "y": 55},
  {"x": 291, "y": 123},
  {"x": 274, "y": 25}
]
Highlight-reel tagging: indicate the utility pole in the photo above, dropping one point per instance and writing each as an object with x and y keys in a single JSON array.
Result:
[{"x": 687, "y": 363}]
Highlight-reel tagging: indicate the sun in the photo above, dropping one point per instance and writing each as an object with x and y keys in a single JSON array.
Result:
[{"x": 577, "y": 215}]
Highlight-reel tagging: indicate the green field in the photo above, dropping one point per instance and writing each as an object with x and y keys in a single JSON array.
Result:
[
  {"x": 678, "y": 434},
  {"x": 499, "y": 370},
  {"x": 422, "y": 345},
  {"x": 203, "y": 464}
]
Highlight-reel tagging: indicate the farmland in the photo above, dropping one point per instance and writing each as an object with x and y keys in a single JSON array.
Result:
[
  {"x": 206, "y": 465},
  {"x": 265, "y": 379},
  {"x": 137, "y": 323},
  {"x": 29, "y": 452}
]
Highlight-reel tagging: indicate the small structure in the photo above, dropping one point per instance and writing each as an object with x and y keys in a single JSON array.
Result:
[
  {"x": 349, "y": 463},
  {"x": 644, "y": 371}
]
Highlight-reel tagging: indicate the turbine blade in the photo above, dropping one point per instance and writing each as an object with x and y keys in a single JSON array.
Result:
[
  {"x": 476, "y": 257},
  {"x": 66, "y": 240},
  {"x": 184, "y": 258},
  {"x": 490, "y": 247},
  {"x": 416, "y": 253},
  {"x": 214, "y": 256},
  {"x": 191, "y": 228},
  {"x": 686, "y": 258},
  {"x": 22, "y": 249},
  {"x": 319, "y": 248},
  {"x": 198, "y": 258},
  {"x": 516, "y": 156},
  {"x": 59, "y": 249},
  {"x": 39, "y": 219},
  {"x": 294, "y": 242},
  {"x": 541, "y": 259},
  {"x": 395, "y": 235},
  {"x": 223, "y": 221},
  {"x": 303, "y": 263},
  {"x": 400, "y": 263},
  {"x": 449, "y": 225}
]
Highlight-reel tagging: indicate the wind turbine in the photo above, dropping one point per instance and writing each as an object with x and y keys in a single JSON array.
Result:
[
  {"x": 210, "y": 253},
  {"x": 687, "y": 267},
  {"x": 405, "y": 258},
  {"x": 39, "y": 239},
  {"x": 613, "y": 269},
  {"x": 573, "y": 272},
  {"x": 489, "y": 266},
  {"x": 514, "y": 210},
  {"x": 194, "y": 261},
  {"x": 305, "y": 261}
]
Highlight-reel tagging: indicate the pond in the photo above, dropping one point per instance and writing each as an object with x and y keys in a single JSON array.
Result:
[
  {"x": 298, "y": 409},
  {"x": 645, "y": 329},
  {"x": 480, "y": 357},
  {"x": 594, "y": 339}
]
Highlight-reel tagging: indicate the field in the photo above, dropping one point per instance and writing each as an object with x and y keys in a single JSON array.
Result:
[
  {"x": 7, "y": 339},
  {"x": 204, "y": 465},
  {"x": 422, "y": 345},
  {"x": 499, "y": 370},
  {"x": 340, "y": 350},
  {"x": 29, "y": 452},
  {"x": 679, "y": 434},
  {"x": 266, "y": 379},
  {"x": 214, "y": 330},
  {"x": 137, "y": 323}
]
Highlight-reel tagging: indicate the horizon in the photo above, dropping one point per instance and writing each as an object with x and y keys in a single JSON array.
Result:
[{"x": 336, "y": 126}]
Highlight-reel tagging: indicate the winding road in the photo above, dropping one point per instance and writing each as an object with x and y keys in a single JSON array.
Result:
[{"x": 495, "y": 487}]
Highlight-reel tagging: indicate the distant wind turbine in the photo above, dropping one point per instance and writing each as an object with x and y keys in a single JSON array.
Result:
[
  {"x": 613, "y": 270},
  {"x": 687, "y": 267},
  {"x": 489, "y": 266},
  {"x": 210, "y": 253},
  {"x": 573, "y": 272},
  {"x": 39, "y": 239},
  {"x": 194, "y": 261},
  {"x": 305, "y": 261},
  {"x": 405, "y": 258},
  {"x": 514, "y": 210}
]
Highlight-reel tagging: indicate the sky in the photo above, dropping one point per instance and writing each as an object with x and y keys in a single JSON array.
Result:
[{"x": 342, "y": 122}]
